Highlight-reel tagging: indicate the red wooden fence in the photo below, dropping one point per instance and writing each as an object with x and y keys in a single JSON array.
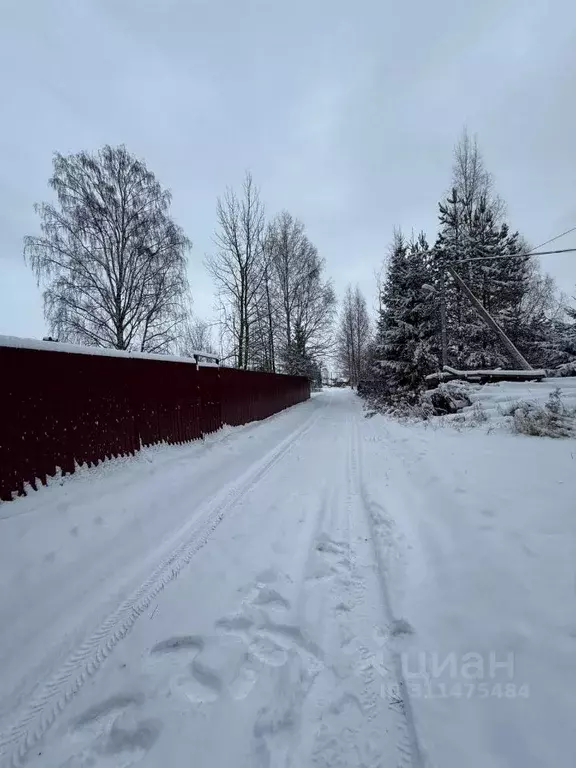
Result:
[{"x": 61, "y": 406}]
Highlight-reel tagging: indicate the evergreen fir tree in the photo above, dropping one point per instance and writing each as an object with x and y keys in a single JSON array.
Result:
[{"x": 406, "y": 345}]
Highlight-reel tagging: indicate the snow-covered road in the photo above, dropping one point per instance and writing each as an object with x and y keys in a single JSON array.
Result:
[{"x": 266, "y": 599}]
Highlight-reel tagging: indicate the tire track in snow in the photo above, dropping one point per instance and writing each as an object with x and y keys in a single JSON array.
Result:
[
  {"x": 335, "y": 714},
  {"x": 279, "y": 726},
  {"x": 411, "y": 753},
  {"x": 33, "y": 721},
  {"x": 357, "y": 725}
]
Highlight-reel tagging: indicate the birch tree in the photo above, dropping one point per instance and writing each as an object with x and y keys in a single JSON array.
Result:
[
  {"x": 303, "y": 297},
  {"x": 110, "y": 259},
  {"x": 238, "y": 267},
  {"x": 353, "y": 335}
]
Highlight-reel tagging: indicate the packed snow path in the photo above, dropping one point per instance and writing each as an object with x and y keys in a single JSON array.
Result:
[
  {"x": 238, "y": 603},
  {"x": 259, "y": 654}
]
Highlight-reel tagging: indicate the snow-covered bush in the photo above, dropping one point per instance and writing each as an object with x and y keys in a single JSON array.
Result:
[
  {"x": 447, "y": 397},
  {"x": 552, "y": 419},
  {"x": 419, "y": 411},
  {"x": 478, "y": 415}
]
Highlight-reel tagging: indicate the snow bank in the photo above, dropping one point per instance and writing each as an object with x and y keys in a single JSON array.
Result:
[
  {"x": 497, "y": 397},
  {"x": 486, "y": 580},
  {"x": 492, "y": 404}
]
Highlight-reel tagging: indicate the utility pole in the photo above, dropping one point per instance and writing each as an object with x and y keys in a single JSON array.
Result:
[{"x": 490, "y": 322}]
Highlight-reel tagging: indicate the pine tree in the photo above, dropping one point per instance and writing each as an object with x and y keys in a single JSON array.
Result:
[
  {"x": 469, "y": 231},
  {"x": 449, "y": 249},
  {"x": 510, "y": 283},
  {"x": 498, "y": 282},
  {"x": 473, "y": 230}
]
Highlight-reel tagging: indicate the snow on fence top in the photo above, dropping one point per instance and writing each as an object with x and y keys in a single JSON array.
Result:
[{"x": 77, "y": 349}]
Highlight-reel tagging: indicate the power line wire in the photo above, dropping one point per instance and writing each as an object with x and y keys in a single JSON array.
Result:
[
  {"x": 518, "y": 255},
  {"x": 552, "y": 239},
  {"x": 533, "y": 252}
]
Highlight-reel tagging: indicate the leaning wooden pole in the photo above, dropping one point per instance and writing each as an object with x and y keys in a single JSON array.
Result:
[{"x": 490, "y": 322}]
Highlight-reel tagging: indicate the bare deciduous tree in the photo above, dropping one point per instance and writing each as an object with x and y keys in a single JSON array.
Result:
[
  {"x": 472, "y": 182},
  {"x": 303, "y": 297},
  {"x": 112, "y": 261},
  {"x": 238, "y": 267},
  {"x": 269, "y": 281},
  {"x": 353, "y": 335},
  {"x": 542, "y": 298},
  {"x": 196, "y": 337},
  {"x": 263, "y": 337}
]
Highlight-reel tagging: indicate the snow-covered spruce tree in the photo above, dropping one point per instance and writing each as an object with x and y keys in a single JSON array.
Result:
[{"x": 407, "y": 333}]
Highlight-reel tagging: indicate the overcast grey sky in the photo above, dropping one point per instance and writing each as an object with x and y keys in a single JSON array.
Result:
[{"x": 345, "y": 112}]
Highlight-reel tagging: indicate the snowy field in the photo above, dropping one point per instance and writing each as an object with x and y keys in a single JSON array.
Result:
[{"x": 319, "y": 589}]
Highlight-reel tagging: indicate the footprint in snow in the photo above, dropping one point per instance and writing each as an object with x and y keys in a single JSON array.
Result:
[
  {"x": 205, "y": 669},
  {"x": 202, "y": 669},
  {"x": 110, "y": 729},
  {"x": 401, "y": 628}
]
